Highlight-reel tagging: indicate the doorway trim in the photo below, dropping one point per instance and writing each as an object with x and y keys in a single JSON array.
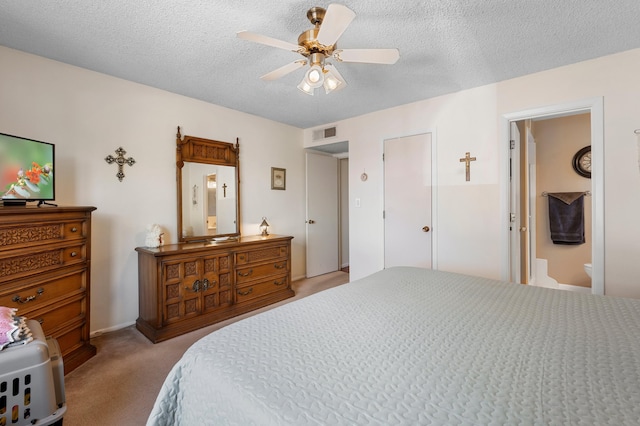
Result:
[{"x": 596, "y": 107}]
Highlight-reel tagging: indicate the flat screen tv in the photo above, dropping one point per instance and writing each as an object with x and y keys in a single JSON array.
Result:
[{"x": 26, "y": 170}]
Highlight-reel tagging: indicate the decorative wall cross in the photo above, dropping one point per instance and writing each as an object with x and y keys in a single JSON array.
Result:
[
  {"x": 120, "y": 161},
  {"x": 467, "y": 166}
]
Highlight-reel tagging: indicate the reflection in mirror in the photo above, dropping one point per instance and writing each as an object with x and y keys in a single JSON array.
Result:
[
  {"x": 212, "y": 224},
  {"x": 207, "y": 174},
  {"x": 209, "y": 200}
]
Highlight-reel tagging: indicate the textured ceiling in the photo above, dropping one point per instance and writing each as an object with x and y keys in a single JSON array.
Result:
[{"x": 190, "y": 46}]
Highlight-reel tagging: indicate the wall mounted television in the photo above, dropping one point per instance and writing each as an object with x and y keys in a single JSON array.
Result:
[{"x": 26, "y": 171}]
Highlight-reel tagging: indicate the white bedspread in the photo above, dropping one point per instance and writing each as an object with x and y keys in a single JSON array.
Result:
[{"x": 415, "y": 347}]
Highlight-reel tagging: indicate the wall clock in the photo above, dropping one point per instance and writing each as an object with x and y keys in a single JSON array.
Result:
[{"x": 582, "y": 162}]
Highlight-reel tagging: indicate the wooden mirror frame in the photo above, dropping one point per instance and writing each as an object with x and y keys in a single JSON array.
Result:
[{"x": 205, "y": 151}]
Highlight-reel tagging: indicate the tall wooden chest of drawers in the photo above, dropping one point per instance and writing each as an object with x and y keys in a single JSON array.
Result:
[
  {"x": 45, "y": 268},
  {"x": 183, "y": 287}
]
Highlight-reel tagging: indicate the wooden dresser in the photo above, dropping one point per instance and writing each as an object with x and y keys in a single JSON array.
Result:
[
  {"x": 45, "y": 265},
  {"x": 183, "y": 287}
]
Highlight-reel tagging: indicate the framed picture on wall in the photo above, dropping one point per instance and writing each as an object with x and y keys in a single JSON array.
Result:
[{"x": 278, "y": 178}]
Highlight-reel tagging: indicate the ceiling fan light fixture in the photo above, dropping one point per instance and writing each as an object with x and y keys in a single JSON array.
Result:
[
  {"x": 304, "y": 87},
  {"x": 332, "y": 79},
  {"x": 331, "y": 82},
  {"x": 314, "y": 76}
]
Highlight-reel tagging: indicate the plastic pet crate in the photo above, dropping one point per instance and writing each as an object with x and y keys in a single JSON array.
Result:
[{"x": 32, "y": 382}]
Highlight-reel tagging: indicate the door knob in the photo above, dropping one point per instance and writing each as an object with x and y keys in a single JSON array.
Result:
[
  {"x": 523, "y": 229},
  {"x": 311, "y": 221},
  {"x": 425, "y": 229}
]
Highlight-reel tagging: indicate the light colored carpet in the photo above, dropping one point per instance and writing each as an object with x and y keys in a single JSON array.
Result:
[{"x": 120, "y": 384}]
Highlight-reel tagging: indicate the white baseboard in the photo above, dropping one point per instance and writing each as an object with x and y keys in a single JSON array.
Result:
[
  {"x": 575, "y": 288},
  {"x": 100, "y": 332}
]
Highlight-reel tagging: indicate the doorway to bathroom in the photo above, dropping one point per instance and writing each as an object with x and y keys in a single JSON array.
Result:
[
  {"x": 542, "y": 145},
  {"x": 546, "y": 149}
]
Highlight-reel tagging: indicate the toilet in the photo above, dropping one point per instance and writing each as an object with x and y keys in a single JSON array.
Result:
[{"x": 587, "y": 269}]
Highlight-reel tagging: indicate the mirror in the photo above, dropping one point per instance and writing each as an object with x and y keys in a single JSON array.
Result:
[{"x": 208, "y": 188}]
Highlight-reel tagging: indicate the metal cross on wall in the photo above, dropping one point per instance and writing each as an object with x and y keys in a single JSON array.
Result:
[
  {"x": 120, "y": 161},
  {"x": 467, "y": 166}
]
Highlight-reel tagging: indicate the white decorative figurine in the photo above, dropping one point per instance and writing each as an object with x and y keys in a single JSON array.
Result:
[{"x": 154, "y": 236}]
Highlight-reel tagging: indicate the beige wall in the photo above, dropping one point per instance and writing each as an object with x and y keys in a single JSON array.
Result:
[
  {"x": 471, "y": 232},
  {"x": 557, "y": 141},
  {"x": 89, "y": 115}
]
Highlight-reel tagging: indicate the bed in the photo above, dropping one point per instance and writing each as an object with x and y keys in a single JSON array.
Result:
[{"x": 410, "y": 346}]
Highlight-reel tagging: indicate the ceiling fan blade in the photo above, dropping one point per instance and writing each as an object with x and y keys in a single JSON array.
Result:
[
  {"x": 284, "y": 70},
  {"x": 369, "y": 56},
  {"x": 269, "y": 41},
  {"x": 336, "y": 19}
]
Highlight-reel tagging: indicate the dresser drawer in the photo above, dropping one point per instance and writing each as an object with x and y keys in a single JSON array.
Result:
[
  {"x": 53, "y": 319},
  {"x": 261, "y": 288},
  {"x": 21, "y": 265},
  {"x": 261, "y": 255},
  {"x": 254, "y": 272},
  {"x": 74, "y": 230},
  {"x": 39, "y": 294},
  {"x": 70, "y": 339},
  {"x": 17, "y": 236}
]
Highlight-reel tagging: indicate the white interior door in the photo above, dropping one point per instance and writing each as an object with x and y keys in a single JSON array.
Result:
[
  {"x": 514, "y": 204},
  {"x": 407, "y": 201},
  {"x": 531, "y": 223},
  {"x": 322, "y": 214}
]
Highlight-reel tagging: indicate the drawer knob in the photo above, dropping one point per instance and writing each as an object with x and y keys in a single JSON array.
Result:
[
  {"x": 283, "y": 265},
  {"x": 281, "y": 282},
  {"x": 74, "y": 254},
  {"x": 206, "y": 284},
  {"x": 195, "y": 287},
  {"x": 245, "y": 293},
  {"x": 74, "y": 229},
  {"x": 249, "y": 272},
  {"x": 28, "y": 299}
]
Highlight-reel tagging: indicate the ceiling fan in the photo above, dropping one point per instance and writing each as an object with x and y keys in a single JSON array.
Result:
[{"x": 318, "y": 46}]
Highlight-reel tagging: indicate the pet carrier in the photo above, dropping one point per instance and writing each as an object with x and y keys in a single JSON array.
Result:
[{"x": 32, "y": 382}]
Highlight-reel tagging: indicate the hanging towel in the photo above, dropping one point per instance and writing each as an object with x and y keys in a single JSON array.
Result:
[{"x": 566, "y": 217}]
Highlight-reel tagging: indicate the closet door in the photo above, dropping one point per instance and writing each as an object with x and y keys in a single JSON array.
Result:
[{"x": 407, "y": 201}]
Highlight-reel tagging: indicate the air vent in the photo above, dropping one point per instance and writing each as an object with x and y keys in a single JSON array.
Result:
[{"x": 320, "y": 134}]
